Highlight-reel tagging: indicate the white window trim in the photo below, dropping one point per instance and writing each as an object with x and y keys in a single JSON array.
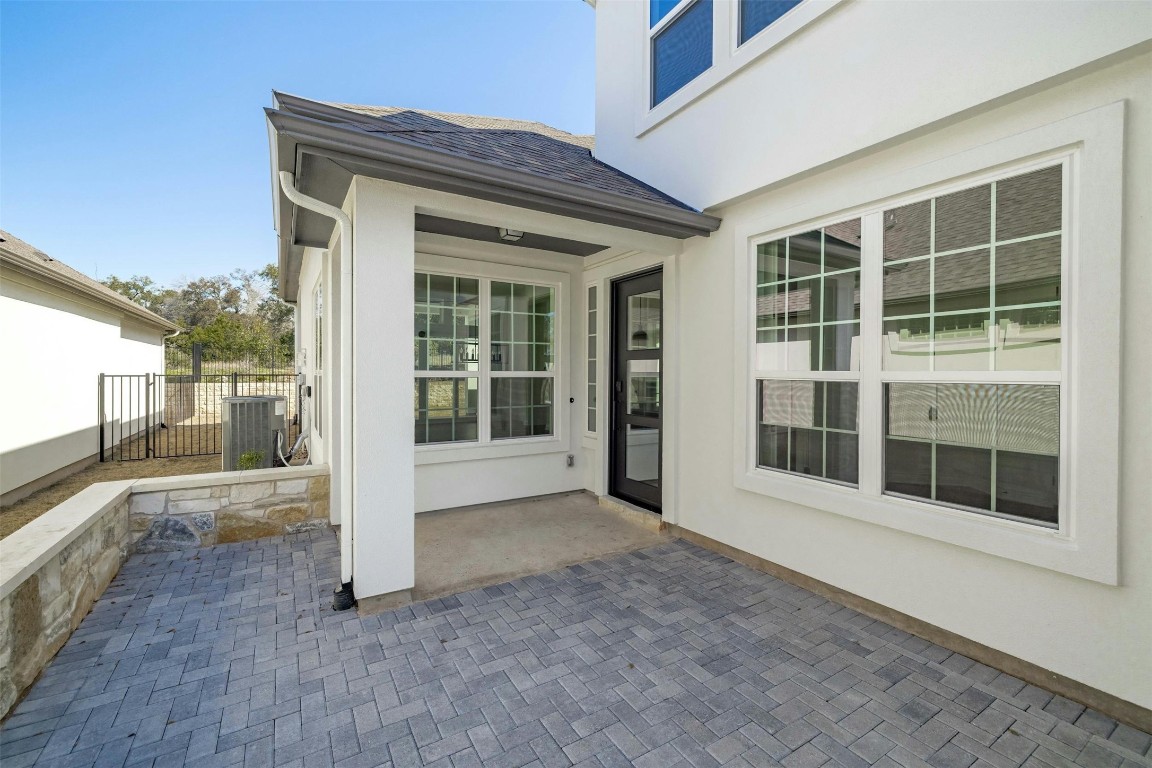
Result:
[
  {"x": 485, "y": 448},
  {"x": 1085, "y": 545},
  {"x": 728, "y": 56},
  {"x": 599, "y": 359},
  {"x": 318, "y": 344}
]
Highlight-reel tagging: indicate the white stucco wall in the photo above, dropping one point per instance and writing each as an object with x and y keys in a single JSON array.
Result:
[
  {"x": 1092, "y": 632},
  {"x": 859, "y": 75},
  {"x": 54, "y": 345}
]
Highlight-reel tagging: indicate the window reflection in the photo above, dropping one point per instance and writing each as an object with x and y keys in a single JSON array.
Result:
[
  {"x": 963, "y": 291},
  {"x": 808, "y": 300}
]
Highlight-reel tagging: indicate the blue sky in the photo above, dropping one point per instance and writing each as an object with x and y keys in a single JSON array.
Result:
[{"x": 132, "y": 139}]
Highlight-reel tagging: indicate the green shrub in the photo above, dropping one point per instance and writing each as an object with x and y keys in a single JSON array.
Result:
[{"x": 250, "y": 460}]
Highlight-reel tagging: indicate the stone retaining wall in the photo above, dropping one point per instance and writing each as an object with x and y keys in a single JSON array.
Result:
[
  {"x": 54, "y": 568},
  {"x": 51, "y": 571},
  {"x": 201, "y": 510}
]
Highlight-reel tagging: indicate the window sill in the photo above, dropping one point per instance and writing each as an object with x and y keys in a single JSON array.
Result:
[
  {"x": 727, "y": 61},
  {"x": 445, "y": 453}
]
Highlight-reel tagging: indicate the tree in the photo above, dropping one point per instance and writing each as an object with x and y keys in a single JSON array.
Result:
[
  {"x": 140, "y": 289},
  {"x": 234, "y": 316}
]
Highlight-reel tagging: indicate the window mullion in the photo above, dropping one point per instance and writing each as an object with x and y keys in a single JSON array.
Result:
[
  {"x": 871, "y": 409},
  {"x": 484, "y": 395}
]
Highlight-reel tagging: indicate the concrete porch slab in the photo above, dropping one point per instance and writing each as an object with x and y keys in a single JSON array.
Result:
[{"x": 462, "y": 549}]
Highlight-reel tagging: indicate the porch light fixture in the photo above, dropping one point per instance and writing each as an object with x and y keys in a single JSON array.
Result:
[{"x": 511, "y": 235}]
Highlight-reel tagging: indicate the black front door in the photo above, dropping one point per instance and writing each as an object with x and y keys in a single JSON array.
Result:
[{"x": 634, "y": 462}]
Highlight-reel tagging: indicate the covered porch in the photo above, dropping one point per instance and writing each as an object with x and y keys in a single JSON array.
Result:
[
  {"x": 502, "y": 242},
  {"x": 462, "y": 549}
]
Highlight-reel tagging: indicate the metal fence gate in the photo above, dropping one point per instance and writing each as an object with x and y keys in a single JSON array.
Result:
[{"x": 144, "y": 416}]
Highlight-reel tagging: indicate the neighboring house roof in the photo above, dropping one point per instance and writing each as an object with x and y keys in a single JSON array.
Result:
[{"x": 21, "y": 255}]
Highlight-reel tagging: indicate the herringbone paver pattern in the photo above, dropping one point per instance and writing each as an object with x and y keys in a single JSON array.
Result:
[{"x": 671, "y": 656}]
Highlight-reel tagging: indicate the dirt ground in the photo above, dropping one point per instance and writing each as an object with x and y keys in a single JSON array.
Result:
[
  {"x": 31, "y": 507},
  {"x": 180, "y": 439}
]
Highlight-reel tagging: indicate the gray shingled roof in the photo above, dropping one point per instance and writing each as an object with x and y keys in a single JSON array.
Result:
[
  {"x": 17, "y": 251},
  {"x": 521, "y": 145}
]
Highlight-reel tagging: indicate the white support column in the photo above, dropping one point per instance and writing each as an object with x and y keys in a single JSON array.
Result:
[{"x": 382, "y": 462}]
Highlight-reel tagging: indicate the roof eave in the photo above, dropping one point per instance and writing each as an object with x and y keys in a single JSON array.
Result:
[
  {"x": 424, "y": 166},
  {"x": 28, "y": 266}
]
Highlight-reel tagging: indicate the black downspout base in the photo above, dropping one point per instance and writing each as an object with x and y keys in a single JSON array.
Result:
[{"x": 343, "y": 598}]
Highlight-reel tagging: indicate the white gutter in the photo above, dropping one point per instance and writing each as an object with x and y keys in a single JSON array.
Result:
[{"x": 347, "y": 512}]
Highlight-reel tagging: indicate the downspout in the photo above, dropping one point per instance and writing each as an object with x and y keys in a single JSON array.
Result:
[{"x": 344, "y": 596}]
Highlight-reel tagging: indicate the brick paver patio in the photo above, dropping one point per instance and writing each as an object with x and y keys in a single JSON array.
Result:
[{"x": 663, "y": 657}]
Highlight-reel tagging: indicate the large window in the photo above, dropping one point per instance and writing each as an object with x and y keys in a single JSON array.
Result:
[
  {"x": 484, "y": 359},
  {"x": 681, "y": 44},
  {"x": 946, "y": 311}
]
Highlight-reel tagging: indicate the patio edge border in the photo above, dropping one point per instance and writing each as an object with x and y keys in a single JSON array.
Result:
[{"x": 1123, "y": 711}]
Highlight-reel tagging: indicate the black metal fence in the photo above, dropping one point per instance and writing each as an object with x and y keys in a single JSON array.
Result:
[
  {"x": 145, "y": 416},
  {"x": 199, "y": 359}
]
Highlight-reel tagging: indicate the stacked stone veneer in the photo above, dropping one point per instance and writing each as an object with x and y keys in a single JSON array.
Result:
[
  {"x": 53, "y": 569},
  {"x": 202, "y": 510}
]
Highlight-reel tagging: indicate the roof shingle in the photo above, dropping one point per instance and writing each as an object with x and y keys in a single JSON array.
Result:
[{"x": 521, "y": 145}]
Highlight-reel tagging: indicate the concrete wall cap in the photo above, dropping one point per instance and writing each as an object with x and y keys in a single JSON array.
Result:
[
  {"x": 26, "y": 550},
  {"x": 210, "y": 479}
]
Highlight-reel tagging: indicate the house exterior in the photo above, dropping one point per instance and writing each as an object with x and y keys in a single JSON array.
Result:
[
  {"x": 852, "y": 290},
  {"x": 61, "y": 330}
]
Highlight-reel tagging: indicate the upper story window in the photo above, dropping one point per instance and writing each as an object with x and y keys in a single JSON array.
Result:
[
  {"x": 681, "y": 44},
  {"x": 756, "y": 15}
]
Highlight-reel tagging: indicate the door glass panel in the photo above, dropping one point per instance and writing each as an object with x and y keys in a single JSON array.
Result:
[
  {"x": 642, "y": 454},
  {"x": 644, "y": 388},
  {"x": 644, "y": 321}
]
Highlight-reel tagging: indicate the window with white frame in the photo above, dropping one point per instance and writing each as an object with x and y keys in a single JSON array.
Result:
[
  {"x": 756, "y": 15},
  {"x": 962, "y": 291},
  {"x": 808, "y": 350},
  {"x": 484, "y": 359},
  {"x": 318, "y": 366},
  {"x": 592, "y": 358},
  {"x": 680, "y": 44}
]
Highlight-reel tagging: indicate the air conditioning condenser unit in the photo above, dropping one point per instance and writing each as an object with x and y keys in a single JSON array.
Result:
[{"x": 251, "y": 427}]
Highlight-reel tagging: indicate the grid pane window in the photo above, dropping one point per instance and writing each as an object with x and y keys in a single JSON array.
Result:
[
  {"x": 447, "y": 323},
  {"x": 682, "y": 50},
  {"x": 484, "y": 359},
  {"x": 446, "y": 409},
  {"x": 988, "y": 447},
  {"x": 318, "y": 367},
  {"x": 972, "y": 278},
  {"x": 808, "y": 301},
  {"x": 963, "y": 293},
  {"x": 522, "y": 320},
  {"x": 521, "y": 407},
  {"x": 809, "y": 428},
  {"x": 591, "y": 348}
]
